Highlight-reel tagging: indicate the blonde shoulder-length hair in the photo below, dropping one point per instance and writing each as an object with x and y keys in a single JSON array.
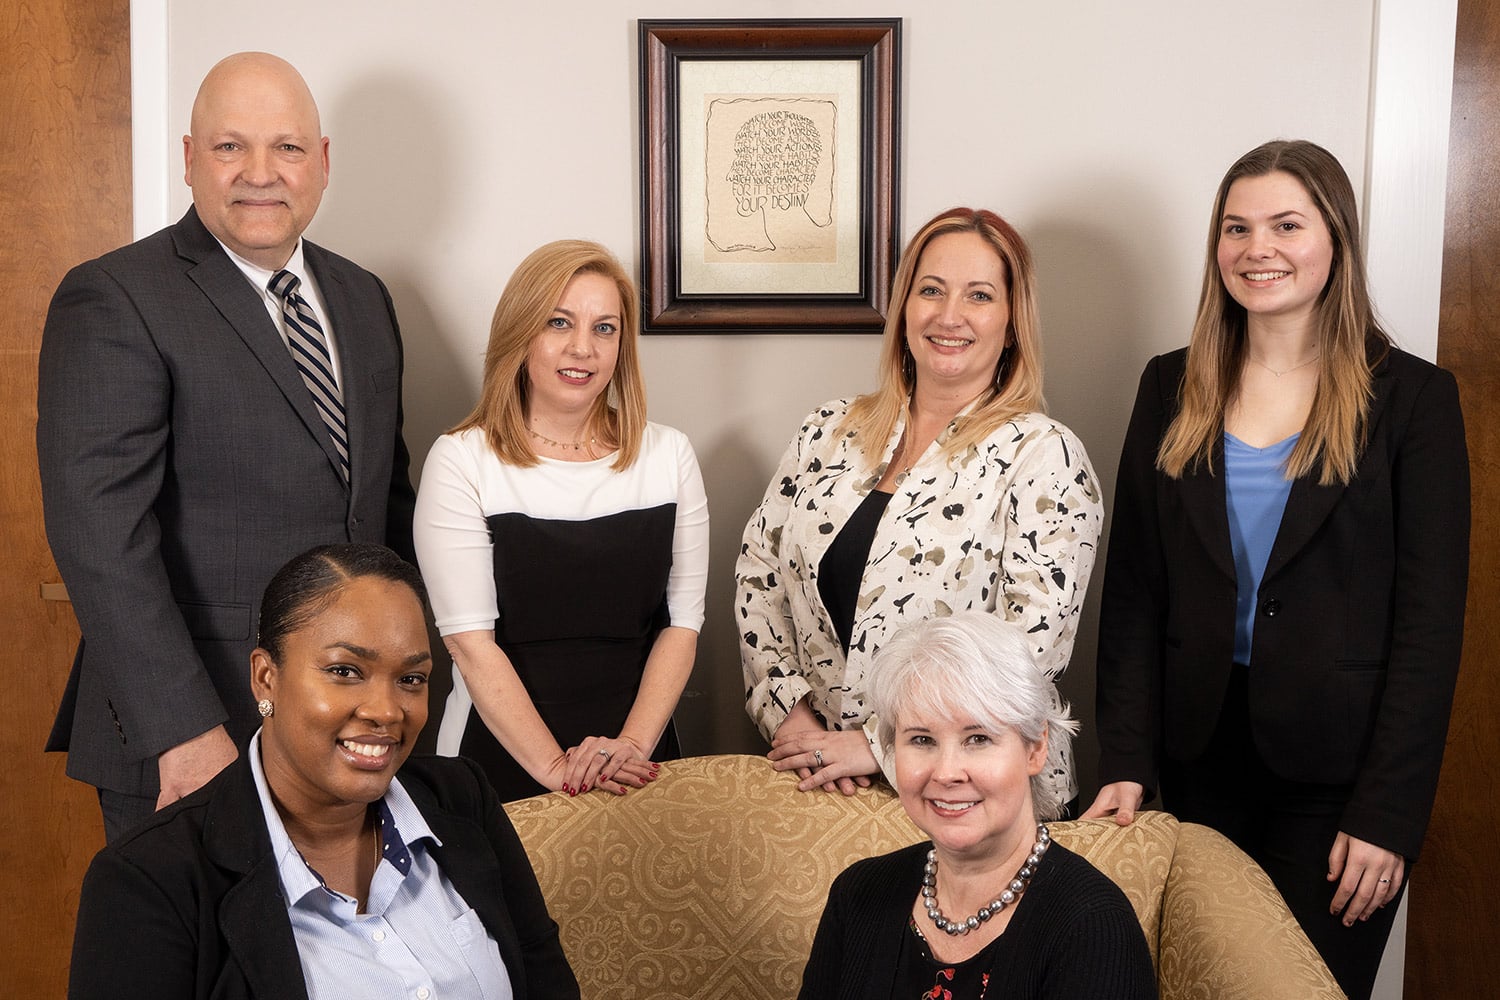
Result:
[
  {"x": 1017, "y": 384},
  {"x": 1350, "y": 340},
  {"x": 530, "y": 296}
]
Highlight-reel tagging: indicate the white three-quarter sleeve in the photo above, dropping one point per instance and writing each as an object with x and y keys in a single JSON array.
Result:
[
  {"x": 688, "y": 582},
  {"x": 452, "y": 537}
]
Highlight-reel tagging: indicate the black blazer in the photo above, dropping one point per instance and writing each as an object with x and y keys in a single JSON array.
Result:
[
  {"x": 1360, "y": 619},
  {"x": 182, "y": 463},
  {"x": 189, "y": 904}
]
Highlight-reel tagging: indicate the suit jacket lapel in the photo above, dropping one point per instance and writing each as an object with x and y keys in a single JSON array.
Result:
[
  {"x": 1203, "y": 498},
  {"x": 1309, "y": 504},
  {"x": 225, "y": 286},
  {"x": 1207, "y": 507},
  {"x": 252, "y": 916}
]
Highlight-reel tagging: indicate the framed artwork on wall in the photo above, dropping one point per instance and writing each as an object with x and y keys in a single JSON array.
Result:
[{"x": 768, "y": 174}]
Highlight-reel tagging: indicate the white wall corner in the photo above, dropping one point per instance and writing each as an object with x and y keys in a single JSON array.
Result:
[
  {"x": 1411, "y": 83},
  {"x": 150, "y": 150}
]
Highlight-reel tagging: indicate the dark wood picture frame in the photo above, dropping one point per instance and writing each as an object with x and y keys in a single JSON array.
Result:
[{"x": 874, "y": 44}]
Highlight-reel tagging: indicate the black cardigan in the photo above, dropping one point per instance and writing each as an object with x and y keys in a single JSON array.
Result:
[
  {"x": 189, "y": 904},
  {"x": 1073, "y": 934}
]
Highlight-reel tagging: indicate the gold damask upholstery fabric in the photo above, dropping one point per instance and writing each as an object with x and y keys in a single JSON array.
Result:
[
  {"x": 1225, "y": 931},
  {"x": 709, "y": 884}
]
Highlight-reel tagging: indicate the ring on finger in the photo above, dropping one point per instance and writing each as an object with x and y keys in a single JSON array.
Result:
[
  {"x": 605, "y": 754},
  {"x": 1383, "y": 881},
  {"x": 818, "y": 756}
]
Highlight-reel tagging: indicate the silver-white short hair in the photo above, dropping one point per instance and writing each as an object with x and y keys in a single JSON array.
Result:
[{"x": 973, "y": 664}]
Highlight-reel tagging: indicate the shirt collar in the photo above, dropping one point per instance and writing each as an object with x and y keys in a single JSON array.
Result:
[
  {"x": 402, "y": 829},
  {"x": 259, "y": 276}
]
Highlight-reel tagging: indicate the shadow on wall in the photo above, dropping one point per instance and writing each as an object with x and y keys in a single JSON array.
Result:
[
  {"x": 372, "y": 207},
  {"x": 380, "y": 124},
  {"x": 1096, "y": 332},
  {"x": 376, "y": 204},
  {"x": 740, "y": 399},
  {"x": 716, "y": 691}
]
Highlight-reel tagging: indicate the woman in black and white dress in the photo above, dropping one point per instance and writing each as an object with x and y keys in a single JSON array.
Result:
[{"x": 564, "y": 539}]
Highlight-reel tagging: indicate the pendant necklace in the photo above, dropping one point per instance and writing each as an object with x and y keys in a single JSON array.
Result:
[{"x": 1287, "y": 371}]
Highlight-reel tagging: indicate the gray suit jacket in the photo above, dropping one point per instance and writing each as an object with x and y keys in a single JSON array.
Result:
[{"x": 182, "y": 464}]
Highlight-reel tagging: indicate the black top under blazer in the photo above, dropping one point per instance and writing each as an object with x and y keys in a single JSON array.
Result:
[
  {"x": 1360, "y": 611},
  {"x": 189, "y": 904},
  {"x": 182, "y": 463}
]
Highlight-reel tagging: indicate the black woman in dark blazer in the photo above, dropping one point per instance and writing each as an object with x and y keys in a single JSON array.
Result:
[
  {"x": 1284, "y": 589},
  {"x": 308, "y": 868}
]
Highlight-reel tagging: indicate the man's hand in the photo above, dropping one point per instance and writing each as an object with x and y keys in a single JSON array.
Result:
[{"x": 189, "y": 766}]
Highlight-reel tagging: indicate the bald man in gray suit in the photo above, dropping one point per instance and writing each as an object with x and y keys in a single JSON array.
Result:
[{"x": 183, "y": 454}]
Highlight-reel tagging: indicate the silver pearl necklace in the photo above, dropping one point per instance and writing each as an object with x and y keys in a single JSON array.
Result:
[{"x": 995, "y": 906}]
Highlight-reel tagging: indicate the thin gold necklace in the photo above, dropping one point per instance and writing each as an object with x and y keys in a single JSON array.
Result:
[
  {"x": 565, "y": 445},
  {"x": 1288, "y": 371}
]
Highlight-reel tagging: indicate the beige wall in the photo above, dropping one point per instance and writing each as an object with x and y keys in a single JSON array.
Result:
[{"x": 467, "y": 133}]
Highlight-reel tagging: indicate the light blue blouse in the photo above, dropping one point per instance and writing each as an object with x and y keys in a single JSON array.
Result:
[
  {"x": 1256, "y": 487},
  {"x": 417, "y": 938}
]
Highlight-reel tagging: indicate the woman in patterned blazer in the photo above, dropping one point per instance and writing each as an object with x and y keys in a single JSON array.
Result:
[{"x": 947, "y": 488}]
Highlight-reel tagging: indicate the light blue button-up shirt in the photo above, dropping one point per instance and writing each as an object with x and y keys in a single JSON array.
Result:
[{"x": 417, "y": 938}]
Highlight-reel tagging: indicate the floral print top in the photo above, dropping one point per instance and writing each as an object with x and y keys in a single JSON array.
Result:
[
  {"x": 1010, "y": 526},
  {"x": 966, "y": 980}
]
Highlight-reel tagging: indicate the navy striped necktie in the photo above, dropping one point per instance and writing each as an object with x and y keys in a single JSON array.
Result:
[{"x": 310, "y": 351}]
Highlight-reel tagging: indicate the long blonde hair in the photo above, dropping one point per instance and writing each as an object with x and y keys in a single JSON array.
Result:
[
  {"x": 1017, "y": 383},
  {"x": 1350, "y": 339},
  {"x": 530, "y": 296}
]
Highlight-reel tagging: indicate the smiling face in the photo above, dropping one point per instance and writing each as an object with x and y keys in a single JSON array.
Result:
[
  {"x": 957, "y": 314},
  {"x": 1275, "y": 252},
  {"x": 255, "y": 158},
  {"x": 573, "y": 358},
  {"x": 350, "y": 697},
  {"x": 967, "y": 785}
]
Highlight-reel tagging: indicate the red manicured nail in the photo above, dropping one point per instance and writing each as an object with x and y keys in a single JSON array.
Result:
[{"x": 584, "y": 788}]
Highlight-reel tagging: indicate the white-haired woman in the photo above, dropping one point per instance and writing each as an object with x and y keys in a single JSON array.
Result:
[{"x": 990, "y": 906}]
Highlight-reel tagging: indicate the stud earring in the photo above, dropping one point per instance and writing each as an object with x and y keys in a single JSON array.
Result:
[{"x": 265, "y": 708}]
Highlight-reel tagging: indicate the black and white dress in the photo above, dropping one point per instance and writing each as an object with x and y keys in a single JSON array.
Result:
[{"x": 576, "y": 566}]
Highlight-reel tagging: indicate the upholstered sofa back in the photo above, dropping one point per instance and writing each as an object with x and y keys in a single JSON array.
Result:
[{"x": 710, "y": 882}]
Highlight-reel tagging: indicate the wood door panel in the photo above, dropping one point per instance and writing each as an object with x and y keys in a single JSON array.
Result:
[
  {"x": 1453, "y": 940},
  {"x": 65, "y": 171}
]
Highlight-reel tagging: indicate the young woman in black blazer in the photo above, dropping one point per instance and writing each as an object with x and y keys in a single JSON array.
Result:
[{"x": 1284, "y": 589}]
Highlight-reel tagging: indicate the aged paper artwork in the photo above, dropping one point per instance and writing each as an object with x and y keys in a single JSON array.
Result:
[{"x": 770, "y": 178}]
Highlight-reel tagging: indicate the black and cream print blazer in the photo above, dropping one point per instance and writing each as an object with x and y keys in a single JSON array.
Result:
[{"x": 1010, "y": 526}]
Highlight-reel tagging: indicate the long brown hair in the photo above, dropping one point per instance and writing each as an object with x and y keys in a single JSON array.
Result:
[
  {"x": 1350, "y": 340},
  {"x": 530, "y": 296},
  {"x": 1017, "y": 384}
]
